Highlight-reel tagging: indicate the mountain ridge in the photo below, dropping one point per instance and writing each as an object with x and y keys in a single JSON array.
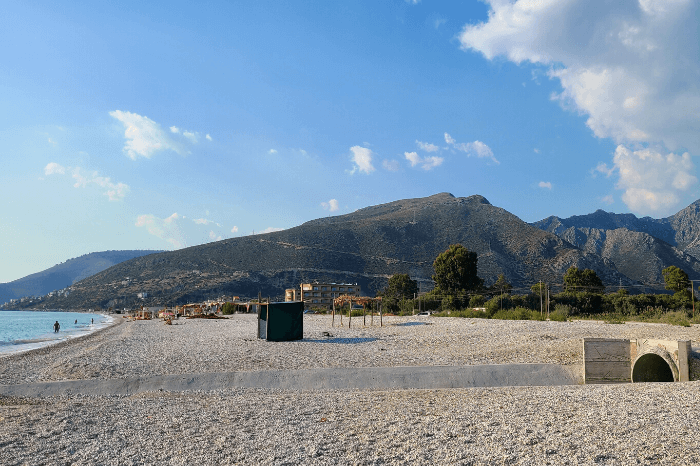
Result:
[{"x": 403, "y": 236}]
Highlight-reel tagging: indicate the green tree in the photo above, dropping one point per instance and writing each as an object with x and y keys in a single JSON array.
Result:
[
  {"x": 676, "y": 279},
  {"x": 502, "y": 285},
  {"x": 537, "y": 288},
  {"x": 455, "y": 270},
  {"x": 400, "y": 287},
  {"x": 576, "y": 279}
]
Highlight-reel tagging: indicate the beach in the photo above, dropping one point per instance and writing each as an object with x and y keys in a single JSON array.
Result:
[{"x": 574, "y": 424}]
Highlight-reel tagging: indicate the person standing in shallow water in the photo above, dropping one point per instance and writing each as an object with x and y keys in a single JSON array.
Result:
[{"x": 56, "y": 327}]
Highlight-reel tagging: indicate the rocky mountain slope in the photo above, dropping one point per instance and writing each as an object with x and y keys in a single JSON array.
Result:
[
  {"x": 366, "y": 246},
  {"x": 65, "y": 274},
  {"x": 640, "y": 248}
]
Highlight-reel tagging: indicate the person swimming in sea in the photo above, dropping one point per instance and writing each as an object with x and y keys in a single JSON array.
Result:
[{"x": 56, "y": 327}]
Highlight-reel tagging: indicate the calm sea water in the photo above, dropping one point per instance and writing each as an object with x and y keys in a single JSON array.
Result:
[{"x": 25, "y": 330}]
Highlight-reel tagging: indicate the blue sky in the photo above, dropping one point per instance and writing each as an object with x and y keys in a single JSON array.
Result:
[{"x": 139, "y": 125}]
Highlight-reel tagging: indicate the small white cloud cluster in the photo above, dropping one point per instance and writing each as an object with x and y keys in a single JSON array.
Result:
[
  {"x": 331, "y": 205},
  {"x": 362, "y": 157},
  {"x": 180, "y": 231},
  {"x": 426, "y": 163},
  {"x": 631, "y": 67},
  {"x": 114, "y": 191},
  {"x": 476, "y": 148},
  {"x": 164, "y": 228},
  {"x": 545, "y": 185},
  {"x": 145, "y": 137}
]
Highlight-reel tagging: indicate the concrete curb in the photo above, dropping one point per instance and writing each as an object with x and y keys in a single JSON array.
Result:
[{"x": 364, "y": 378}]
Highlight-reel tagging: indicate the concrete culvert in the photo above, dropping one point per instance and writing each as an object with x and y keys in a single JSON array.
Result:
[{"x": 651, "y": 368}]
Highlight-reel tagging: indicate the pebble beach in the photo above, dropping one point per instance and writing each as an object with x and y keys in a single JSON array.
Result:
[{"x": 584, "y": 424}]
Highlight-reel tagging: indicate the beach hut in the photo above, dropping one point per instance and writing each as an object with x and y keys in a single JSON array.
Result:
[{"x": 281, "y": 321}]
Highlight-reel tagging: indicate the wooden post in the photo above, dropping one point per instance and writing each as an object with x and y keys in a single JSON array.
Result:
[
  {"x": 333, "y": 314},
  {"x": 371, "y": 310},
  {"x": 381, "y": 323},
  {"x": 364, "y": 318},
  {"x": 350, "y": 314}
]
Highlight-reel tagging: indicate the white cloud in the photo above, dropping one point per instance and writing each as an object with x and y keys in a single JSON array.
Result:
[
  {"x": 536, "y": 150},
  {"x": 114, "y": 191},
  {"x": 180, "y": 231},
  {"x": 331, "y": 205},
  {"x": 144, "y": 137},
  {"x": 272, "y": 151},
  {"x": 234, "y": 229},
  {"x": 204, "y": 221},
  {"x": 426, "y": 146},
  {"x": 208, "y": 137},
  {"x": 607, "y": 199},
  {"x": 390, "y": 165},
  {"x": 476, "y": 148},
  {"x": 271, "y": 230},
  {"x": 426, "y": 163},
  {"x": 652, "y": 182},
  {"x": 51, "y": 141},
  {"x": 191, "y": 136},
  {"x": 545, "y": 184},
  {"x": 167, "y": 229},
  {"x": 362, "y": 158},
  {"x": 413, "y": 2},
  {"x": 631, "y": 67},
  {"x": 604, "y": 169},
  {"x": 54, "y": 169},
  {"x": 412, "y": 157}
]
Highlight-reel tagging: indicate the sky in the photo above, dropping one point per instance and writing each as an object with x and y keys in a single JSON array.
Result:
[{"x": 151, "y": 125}]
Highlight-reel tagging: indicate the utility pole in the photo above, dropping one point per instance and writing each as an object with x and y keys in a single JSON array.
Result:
[
  {"x": 541, "y": 307},
  {"x": 692, "y": 295}
]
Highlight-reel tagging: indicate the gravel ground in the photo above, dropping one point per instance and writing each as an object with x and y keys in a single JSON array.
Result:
[
  {"x": 619, "y": 424},
  {"x": 145, "y": 348}
]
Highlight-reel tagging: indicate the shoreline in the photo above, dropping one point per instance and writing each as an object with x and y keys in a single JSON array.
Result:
[{"x": 53, "y": 342}]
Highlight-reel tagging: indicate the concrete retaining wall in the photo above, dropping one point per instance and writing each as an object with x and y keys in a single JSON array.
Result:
[{"x": 419, "y": 377}]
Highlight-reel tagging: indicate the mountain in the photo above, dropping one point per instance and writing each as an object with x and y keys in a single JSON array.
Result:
[
  {"x": 640, "y": 248},
  {"x": 65, "y": 274},
  {"x": 365, "y": 247}
]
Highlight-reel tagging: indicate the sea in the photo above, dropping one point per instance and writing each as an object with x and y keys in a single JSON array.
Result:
[{"x": 22, "y": 331}]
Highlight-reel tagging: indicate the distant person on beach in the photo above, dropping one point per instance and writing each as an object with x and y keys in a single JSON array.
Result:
[
  {"x": 92, "y": 321},
  {"x": 76, "y": 321},
  {"x": 56, "y": 327}
]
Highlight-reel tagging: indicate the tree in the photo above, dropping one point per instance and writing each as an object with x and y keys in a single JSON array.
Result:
[
  {"x": 582, "y": 280},
  {"x": 502, "y": 285},
  {"x": 676, "y": 279},
  {"x": 455, "y": 270},
  {"x": 538, "y": 288},
  {"x": 400, "y": 287}
]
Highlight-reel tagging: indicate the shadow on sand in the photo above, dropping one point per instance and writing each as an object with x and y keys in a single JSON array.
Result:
[
  {"x": 408, "y": 324},
  {"x": 342, "y": 341}
]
